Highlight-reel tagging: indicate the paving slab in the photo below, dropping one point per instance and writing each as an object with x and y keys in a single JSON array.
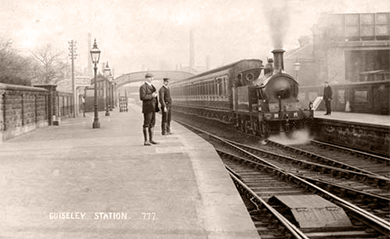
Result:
[
  {"x": 72, "y": 181},
  {"x": 381, "y": 120}
]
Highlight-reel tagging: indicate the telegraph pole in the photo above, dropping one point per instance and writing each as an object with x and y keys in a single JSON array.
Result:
[{"x": 73, "y": 55}]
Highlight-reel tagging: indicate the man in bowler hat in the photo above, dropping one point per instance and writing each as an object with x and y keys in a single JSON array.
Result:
[
  {"x": 166, "y": 102},
  {"x": 148, "y": 95},
  {"x": 327, "y": 98}
]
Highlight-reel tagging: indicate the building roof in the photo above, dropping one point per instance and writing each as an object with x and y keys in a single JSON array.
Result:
[{"x": 305, "y": 52}]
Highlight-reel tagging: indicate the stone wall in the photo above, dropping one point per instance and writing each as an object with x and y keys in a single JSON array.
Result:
[
  {"x": 369, "y": 138},
  {"x": 24, "y": 108}
]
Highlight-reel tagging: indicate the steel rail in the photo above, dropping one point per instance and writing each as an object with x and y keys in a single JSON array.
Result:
[
  {"x": 361, "y": 193},
  {"x": 377, "y": 178},
  {"x": 378, "y": 223},
  {"x": 322, "y": 158},
  {"x": 370, "y": 175},
  {"x": 384, "y": 226},
  {"x": 286, "y": 223},
  {"x": 379, "y": 197},
  {"x": 385, "y": 160},
  {"x": 382, "y": 179}
]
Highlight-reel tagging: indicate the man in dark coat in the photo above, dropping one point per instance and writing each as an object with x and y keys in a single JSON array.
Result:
[
  {"x": 327, "y": 98},
  {"x": 148, "y": 95},
  {"x": 166, "y": 102}
]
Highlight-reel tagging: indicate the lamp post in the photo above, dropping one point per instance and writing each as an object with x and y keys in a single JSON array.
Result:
[
  {"x": 95, "y": 55},
  {"x": 111, "y": 94},
  {"x": 107, "y": 74},
  {"x": 297, "y": 67}
]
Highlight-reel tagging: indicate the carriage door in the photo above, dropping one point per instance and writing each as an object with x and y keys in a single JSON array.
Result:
[{"x": 236, "y": 83}]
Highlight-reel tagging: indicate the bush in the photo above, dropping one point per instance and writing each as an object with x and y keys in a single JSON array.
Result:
[{"x": 14, "y": 69}]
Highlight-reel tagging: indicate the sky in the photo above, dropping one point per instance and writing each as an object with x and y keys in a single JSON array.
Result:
[{"x": 136, "y": 35}]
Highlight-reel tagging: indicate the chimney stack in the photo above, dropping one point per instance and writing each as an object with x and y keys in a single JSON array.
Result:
[{"x": 278, "y": 60}]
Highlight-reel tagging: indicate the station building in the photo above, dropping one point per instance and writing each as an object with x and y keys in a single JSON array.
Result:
[{"x": 352, "y": 53}]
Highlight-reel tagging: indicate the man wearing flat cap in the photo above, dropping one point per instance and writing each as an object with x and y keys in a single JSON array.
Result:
[
  {"x": 166, "y": 102},
  {"x": 148, "y": 95}
]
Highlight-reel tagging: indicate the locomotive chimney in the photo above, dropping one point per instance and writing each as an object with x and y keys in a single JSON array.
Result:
[{"x": 278, "y": 60}]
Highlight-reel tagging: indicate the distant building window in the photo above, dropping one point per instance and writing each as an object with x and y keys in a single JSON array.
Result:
[{"x": 361, "y": 97}]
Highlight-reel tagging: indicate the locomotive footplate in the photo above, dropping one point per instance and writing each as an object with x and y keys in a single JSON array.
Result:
[{"x": 312, "y": 211}]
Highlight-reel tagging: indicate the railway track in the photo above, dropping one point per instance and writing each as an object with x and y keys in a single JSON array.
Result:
[
  {"x": 261, "y": 185},
  {"x": 307, "y": 167},
  {"x": 351, "y": 158},
  {"x": 367, "y": 211},
  {"x": 324, "y": 153}
]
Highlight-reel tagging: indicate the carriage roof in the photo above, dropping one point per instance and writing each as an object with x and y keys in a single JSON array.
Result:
[{"x": 235, "y": 67}]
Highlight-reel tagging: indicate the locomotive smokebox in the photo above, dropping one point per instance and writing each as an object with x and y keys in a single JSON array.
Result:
[{"x": 278, "y": 60}]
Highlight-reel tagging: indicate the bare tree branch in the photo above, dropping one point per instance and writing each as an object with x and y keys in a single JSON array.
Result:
[{"x": 52, "y": 64}]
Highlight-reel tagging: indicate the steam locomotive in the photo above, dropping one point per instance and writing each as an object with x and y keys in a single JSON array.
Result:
[{"x": 238, "y": 94}]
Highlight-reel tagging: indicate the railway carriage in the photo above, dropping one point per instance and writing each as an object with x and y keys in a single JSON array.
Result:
[{"x": 239, "y": 95}]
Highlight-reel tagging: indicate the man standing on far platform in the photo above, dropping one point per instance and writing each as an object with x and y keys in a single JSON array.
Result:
[
  {"x": 148, "y": 95},
  {"x": 166, "y": 102},
  {"x": 327, "y": 98}
]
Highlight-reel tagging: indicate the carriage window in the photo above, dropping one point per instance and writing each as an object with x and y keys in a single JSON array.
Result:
[
  {"x": 219, "y": 86},
  {"x": 225, "y": 88},
  {"x": 239, "y": 80}
]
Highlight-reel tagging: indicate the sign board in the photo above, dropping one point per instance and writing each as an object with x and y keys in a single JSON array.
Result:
[
  {"x": 83, "y": 81},
  {"x": 317, "y": 102}
]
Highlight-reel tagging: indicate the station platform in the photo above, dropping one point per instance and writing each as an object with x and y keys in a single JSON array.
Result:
[
  {"x": 72, "y": 181},
  {"x": 369, "y": 119}
]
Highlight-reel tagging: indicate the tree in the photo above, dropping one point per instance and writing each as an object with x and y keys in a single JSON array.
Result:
[
  {"x": 14, "y": 69},
  {"x": 52, "y": 67}
]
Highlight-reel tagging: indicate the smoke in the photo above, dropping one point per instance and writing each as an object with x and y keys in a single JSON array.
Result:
[
  {"x": 298, "y": 137},
  {"x": 277, "y": 14}
]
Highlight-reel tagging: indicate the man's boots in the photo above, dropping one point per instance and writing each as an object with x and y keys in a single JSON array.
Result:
[
  {"x": 163, "y": 128},
  {"x": 168, "y": 128},
  {"x": 151, "y": 136},
  {"x": 146, "y": 141}
]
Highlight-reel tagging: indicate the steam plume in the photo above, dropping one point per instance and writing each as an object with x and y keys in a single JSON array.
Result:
[{"x": 278, "y": 19}]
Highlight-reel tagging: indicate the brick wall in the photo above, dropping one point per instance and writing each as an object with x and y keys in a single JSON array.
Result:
[{"x": 24, "y": 108}]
